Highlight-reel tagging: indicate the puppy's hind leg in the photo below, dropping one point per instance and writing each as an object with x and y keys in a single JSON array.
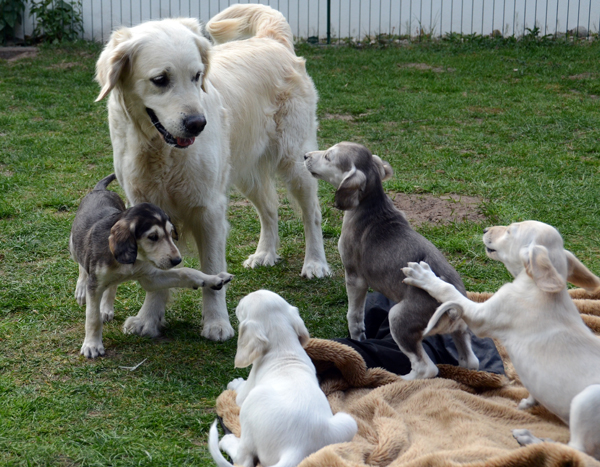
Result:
[
  {"x": 81, "y": 287},
  {"x": 584, "y": 421},
  {"x": 407, "y": 330},
  {"x": 356, "y": 288},
  {"x": 107, "y": 305},
  {"x": 462, "y": 340}
]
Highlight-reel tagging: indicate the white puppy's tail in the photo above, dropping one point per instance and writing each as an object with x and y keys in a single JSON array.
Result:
[
  {"x": 244, "y": 21},
  {"x": 213, "y": 447},
  {"x": 342, "y": 428},
  {"x": 444, "y": 319}
]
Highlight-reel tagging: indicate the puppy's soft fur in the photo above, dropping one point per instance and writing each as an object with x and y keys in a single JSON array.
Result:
[
  {"x": 113, "y": 245},
  {"x": 284, "y": 415},
  {"x": 182, "y": 113},
  {"x": 554, "y": 353},
  {"x": 376, "y": 242}
]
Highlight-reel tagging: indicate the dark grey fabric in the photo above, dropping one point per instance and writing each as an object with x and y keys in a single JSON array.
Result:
[{"x": 380, "y": 350}]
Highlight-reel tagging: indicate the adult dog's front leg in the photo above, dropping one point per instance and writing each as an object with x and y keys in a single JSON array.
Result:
[
  {"x": 211, "y": 233},
  {"x": 92, "y": 345},
  {"x": 356, "y": 288},
  {"x": 151, "y": 318}
]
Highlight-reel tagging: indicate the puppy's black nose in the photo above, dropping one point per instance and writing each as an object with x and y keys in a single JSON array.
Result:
[
  {"x": 486, "y": 229},
  {"x": 175, "y": 261},
  {"x": 305, "y": 156},
  {"x": 194, "y": 124}
]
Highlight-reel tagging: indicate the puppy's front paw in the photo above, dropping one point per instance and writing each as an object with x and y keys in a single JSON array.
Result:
[
  {"x": 92, "y": 349},
  {"x": 217, "y": 282},
  {"x": 217, "y": 331},
  {"x": 418, "y": 274},
  {"x": 236, "y": 384}
]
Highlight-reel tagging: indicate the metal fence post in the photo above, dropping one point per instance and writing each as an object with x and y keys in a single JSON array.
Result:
[{"x": 328, "y": 21}]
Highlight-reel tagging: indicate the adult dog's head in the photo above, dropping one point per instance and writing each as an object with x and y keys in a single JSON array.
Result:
[
  {"x": 144, "y": 233},
  {"x": 537, "y": 249},
  {"x": 267, "y": 324},
  {"x": 351, "y": 168},
  {"x": 158, "y": 70}
]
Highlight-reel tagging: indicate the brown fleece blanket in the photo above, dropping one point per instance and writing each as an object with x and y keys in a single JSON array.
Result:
[{"x": 462, "y": 417}]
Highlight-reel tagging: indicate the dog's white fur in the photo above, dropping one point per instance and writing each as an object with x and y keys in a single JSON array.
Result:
[
  {"x": 259, "y": 107},
  {"x": 554, "y": 353},
  {"x": 284, "y": 415}
]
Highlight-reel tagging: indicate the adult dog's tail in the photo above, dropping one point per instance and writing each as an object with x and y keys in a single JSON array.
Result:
[
  {"x": 250, "y": 20},
  {"x": 213, "y": 447},
  {"x": 102, "y": 184}
]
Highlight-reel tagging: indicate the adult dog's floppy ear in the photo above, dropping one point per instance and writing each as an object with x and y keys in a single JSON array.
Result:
[
  {"x": 122, "y": 242},
  {"x": 347, "y": 194},
  {"x": 252, "y": 343},
  {"x": 113, "y": 61},
  {"x": 300, "y": 327},
  {"x": 539, "y": 267},
  {"x": 579, "y": 275},
  {"x": 385, "y": 169}
]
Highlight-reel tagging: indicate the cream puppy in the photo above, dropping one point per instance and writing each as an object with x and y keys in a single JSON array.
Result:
[
  {"x": 555, "y": 354},
  {"x": 284, "y": 415}
]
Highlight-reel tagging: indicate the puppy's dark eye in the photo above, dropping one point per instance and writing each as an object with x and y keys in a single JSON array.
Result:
[
  {"x": 326, "y": 156},
  {"x": 161, "y": 81},
  {"x": 197, "y": 77},
  {"x": 153, "y": 237}
]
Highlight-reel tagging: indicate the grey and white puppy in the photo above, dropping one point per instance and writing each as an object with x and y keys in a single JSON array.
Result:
[
  {"x": 376, "y": 243},
  {"x": 113, "y": 245}
]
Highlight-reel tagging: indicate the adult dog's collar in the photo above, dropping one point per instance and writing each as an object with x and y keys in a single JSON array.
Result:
[{"x": 181, "y": 143}]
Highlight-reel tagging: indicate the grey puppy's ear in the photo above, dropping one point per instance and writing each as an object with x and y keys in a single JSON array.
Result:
[
  {"x": 539, "y": 267},
  {"x": 385, "y": 169},
  {"x": 347, "y": 194},
  {"x": 122, "y": 242}
]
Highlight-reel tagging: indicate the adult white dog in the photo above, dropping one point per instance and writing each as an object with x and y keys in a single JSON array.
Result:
[
  {"x": 284, "y": 415},
  {"x": 554, "y": 353},
  {"x": 182, "y": 113}
]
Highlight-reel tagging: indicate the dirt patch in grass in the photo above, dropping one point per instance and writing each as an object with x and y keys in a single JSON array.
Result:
[
  {"x": 420, "y": 209},
  {"x": 16, "y": 53},
  {"x": 425, "y": 67}
]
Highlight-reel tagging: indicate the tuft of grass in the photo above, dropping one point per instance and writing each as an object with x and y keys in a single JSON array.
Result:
[{"x": 516, "y": 124}]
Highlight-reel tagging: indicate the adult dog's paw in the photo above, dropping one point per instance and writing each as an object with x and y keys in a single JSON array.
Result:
[
  {"x": 141, "y": 327},
  {"x": 92, "y": 349},
  {"x": 315, "y": 269},
  {"x": 80, "y": 293},
  {"x": 261, "y": 258},
  {"x": 217, "y": 331}
]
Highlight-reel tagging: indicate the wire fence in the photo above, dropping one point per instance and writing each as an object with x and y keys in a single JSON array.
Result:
[{"x": 337, "y": 20}]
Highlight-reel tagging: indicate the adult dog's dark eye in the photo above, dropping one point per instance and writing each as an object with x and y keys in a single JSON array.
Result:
[
  {"x": 153, "y": 237},
  {"x": 197, "y": 77},
  {"x": 161, "y": 81},
  {"x": 326, "y": 156}
]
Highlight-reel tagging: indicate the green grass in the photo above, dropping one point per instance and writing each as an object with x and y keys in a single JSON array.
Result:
[{"x": 518, "y": 126}]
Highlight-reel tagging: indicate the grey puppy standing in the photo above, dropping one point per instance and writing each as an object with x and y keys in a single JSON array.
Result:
[
  {"x": 376, "y": 243},
  {"x": 113, "y": 245}
]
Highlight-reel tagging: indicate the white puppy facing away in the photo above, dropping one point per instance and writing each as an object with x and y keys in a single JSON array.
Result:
[
  {"x": 187, "y": 119},
  {"x": 555, "y": 354},
  {"x": 284, "y": 415}
]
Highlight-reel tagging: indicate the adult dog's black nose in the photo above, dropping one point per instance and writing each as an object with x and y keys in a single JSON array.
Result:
[
  {"x": 194, "y": 124},
  {"x": 486, "y": 229},
  {"x": 305, "y": 156},
  {"x": 175, "y": 261}
]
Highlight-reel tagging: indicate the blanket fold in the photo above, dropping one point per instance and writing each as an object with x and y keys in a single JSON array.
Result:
[{"x": 461, "y": 418}]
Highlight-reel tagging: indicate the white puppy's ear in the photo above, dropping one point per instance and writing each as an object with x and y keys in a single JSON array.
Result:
[
  {"x": 539, "y": 267},
  {"x": 252, "y": 343},
  {"x": 300, "y": 327},
  {"x": 113, "y": 61},
  {"x": 385, "y": 169},
  {"x": 579, "y": 275},
  {"x": 347, "y": 194}
]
